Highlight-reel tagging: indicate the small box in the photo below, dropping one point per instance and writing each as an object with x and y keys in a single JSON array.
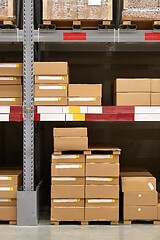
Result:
[
  {"x": 85, "y": 90},
  {"x": 102, "y": 191},
  {"x": 11, "y": 69},
  {"x": 102, "y": 213},
  {"x": 104, "y": 170},
  {"x": 10, "y": 80},
  {"x": 8, "y": 213},
  {"x": 102, "y": 158},
  {"x": 10, "y": 101},
  {"x": 101, "y": 181},
  {"x": 66, "y": 202},
  {"x": 67, "y": 180},
  {"x": 64, "y": 79},
  {"x": 133, "y": 99},
  {"x": 67, "y": 213},
  {"x": 70, "y": 143},
  {"x": 140, "y": 213},
  {"x": 51, "y": 68},
  {"x": 7, "y": 91},
  {"x": 50, "y": 101},
  {"x": 133, "y": 85},
  {"x": 140, "y": 198},
  {"x": 155, "y": 99},
  {"x": 70, "y": 191},
  {"x": 66, "y": 158},
  {"x": 68, "y": 169},
  {"x": 10, "y": 177},
  {"x": 155, "y": 85},
  {"x": 70, "y": 132},
  {"x": 48, "y": 90}
]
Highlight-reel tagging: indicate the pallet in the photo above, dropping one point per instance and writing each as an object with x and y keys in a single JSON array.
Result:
[
  {"x": 77, "y": 24},
  {"x": 7, "y": 24},
  {"x": 129, "y": 222},
  {"x": 8, "y": 222},
  {"x": 140, "y": 25},
  {"x": 84, "y": 223},
  {"x": 66, "y": 152}
]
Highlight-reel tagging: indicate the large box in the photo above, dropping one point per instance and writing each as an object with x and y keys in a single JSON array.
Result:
[
  {"x": 155, "y": 85},
  {"x": 7, "y": 91},
  {"x": 52, "y": 79},
  {"x": 140, "y": 213},
  {"x": 68, "y": 169},
  {"x": 70, "y": 132},
  {"x": 66, "y": 202},
  {"x": 67, "y": 213},
  {"x": 133, "y": 99},
  {"x": 67, "y": 180},
  {"x": 140, "y": 198},
  {"x": 51, "y": 68},
  {"x": 10, "y": 101},
  {"x": 50, "y": 101},
  {"x": 102, "y": 213},
  {"x": 48, "y": 90},
  {"x": 10, "y": 80},
  {"x": 70, "y": 143},
  {"x": 101, "y": 158},
  {"x": 102, "y": 191},
  {"x": 133, "y": 85},
  {"x": 102, "y": 181},
  {"x": 8, "y": 213},
  {"x": 10, "y": 177},
  {"x": 155, "y": 99},
  {"x": 103, "y": 169},
  {"x": 85, "y": 90},
  {"x": 70, "y": 191},
  {"x": 11, "y": 69}
]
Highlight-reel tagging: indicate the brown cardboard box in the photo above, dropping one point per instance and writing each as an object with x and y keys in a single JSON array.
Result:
[
  {"x": 135, "y": 173},
  {"x": 133, "y": 99},
  {"x": 73, "y": 202},
  {"x": 72, "y": 158},
  {"x": 10, "y": 177},
  {"x": 155, "y": 85},
  {"x": 8, "y": 213},
  {"x": 11, "y": 69},
  {"x": 102, "y": 158},
  {"x": 6, "y": 202},
  {"x": 70, "y": 191},
  {"x": 52, "y": 79},
  {"x": 10, "y": 80},
  {"x": 102, "y": 213},
  {"x": 101, "y": 181},
  {"x": 51, "y": 68},
  {"x": 50, "y": 101},
  {"x": 8, "y": 191},
  {"x": 158, "y": 209},
  {"x": 155, "y": 99},
  {"x": 68, "y": 169},
  {"x": 102, "y": 191},
  {"x": 11, "y": 91},
  {"x": 84, "y": 101},
  {"x": 104, "y": 170},
  {"x": 140, "y": 213},
  {"x": 48, "y": 90},
  {"x": 10, "y": 101},
  {"x": 85, "y": 90},
  {"x": 70, "y": 143},
  {"x": 68, "y": 181},
  {"x": 133, "y": 85},
  {"x": 140, "y": 198},
  {"x": 101, "y": 202},
  {"x": 67, "y": 213},
  {"x": 70, "y": 132}
]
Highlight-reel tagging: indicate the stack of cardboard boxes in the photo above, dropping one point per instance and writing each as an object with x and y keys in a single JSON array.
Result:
[
  {"x": 140, "y": 198},
  {"x": 10, "y": 182},
  {"x": 11, "y": 84}
]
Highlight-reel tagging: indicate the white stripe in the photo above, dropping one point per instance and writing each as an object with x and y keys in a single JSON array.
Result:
[
  {"x": 65, "y": 200},
  {"x": 51, "y": 78},
  {"x": 4, "y": 178},
  {"x": 6, "y": 78},
  {"x": 5, "y": 188},
  {"x": 148, "y": 110},
  {"x": 98, "y": 179},
  {"x": 46, "y": 99},
  {"x": 4, "y": 109},
  {"x": 4, "y": 117},
  {"x": 82, "y": 110},
  {"x": 49, "y": 109},
  {"x": 99, "y": 157},
  {"x": 51, "y": 88},
  {"x": 73, "y": 166},
  {"x": 63, "y": 179},
  {"x": 8, "y": 65},
  {"x": 95, "y": 110},
  {"x": 65, "y": 157},
  {"x": 147, "y": 117},
  {"x": 100, "y": 200},
  {"x": 5, "y": 200},
  {"x": 69, "y": 117},
  {"x": 79, "y": 99},
  {"x": 52, "y": 117},
  {"x": 7, "y": 99}
]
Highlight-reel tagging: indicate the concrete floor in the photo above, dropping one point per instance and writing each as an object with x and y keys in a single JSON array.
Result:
[{"x": 92, "y": 232}]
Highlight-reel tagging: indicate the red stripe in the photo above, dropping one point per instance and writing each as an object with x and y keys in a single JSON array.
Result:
[
  {"x": 110, "y": 117},
  {"x": 36, "y": 117},
  {"x": 15, "y": 109},
  {"x": 15, "y": 117},
  {"x": 74, "y": 36},
  {"x": 118, "y": 109},
  {"x": 152, "y": 36},
  {"x": 35, "y": 109}
]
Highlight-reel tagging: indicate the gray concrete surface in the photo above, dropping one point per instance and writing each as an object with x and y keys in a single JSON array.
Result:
[{"x": 92, "y": 232}]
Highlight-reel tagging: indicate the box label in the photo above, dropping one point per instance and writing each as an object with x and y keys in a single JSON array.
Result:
[
  {"x": 51, "y": 78},
  {"x": 7, "y": 99},
  {"x": 101, "y": 200},
  {"x": 52, "y": 87},
  {"x": 9, "y": 65},
  {"x": 66, "y": 157},
  {"x": 63, "y": 179},
  {"x": 66, "y": 200},
  {"x": 94, "y": 2},
  {"x": 5, "y": 200},
  {"x": 79, "y": 99},
  {"x": 99, "y": 179},
  {"x": 47, "y": 99},
  {"x": 7, "y": 78},
  {"x": 73, "y": 166},
  {"x": 100, "y": 157},
  {"x": 6, "y": 188},
  {"x": 151, "y": 186},
  {"x": 5, "y": 178}
]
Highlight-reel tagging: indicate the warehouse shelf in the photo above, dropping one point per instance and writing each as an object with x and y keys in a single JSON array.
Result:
[{"x": 11, "y": 35}]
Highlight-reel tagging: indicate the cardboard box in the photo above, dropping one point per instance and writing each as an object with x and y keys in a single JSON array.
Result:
[
  {"x": 67, "y": 180},
  {"x": 50, "y": 101},
  {"x": 140, "y": 213},
  {"x": 158, "y": 209},
  {"x": 140, "y": 198},
  {"x": 103, "y": 169},
  {"x": 68, "y": 158},
  {"x": 133, "y": 99},
  {"x": 51, "y": 68},
  {"x": 10, "y": 101},
  {"x": 11, "y": 69},
  {"x": 10, "y": 80},
  {"x": 135, "y": 173},
  {"x": 8, "y": 191},
  {"x": 101, "y": 202},
  {"x": 70, "y": 143},
  {"x": 101, "y": 181},
  {"x": 8, "y": 213},
  {"x": 70, "y": 132},
  {"x": 84, "y": 101},
  {"x": 73, "y": 202},
  {"x": 6, "y": 202},
  {"x": 102, "y": 158},
  {"x": 48, "y": 90},
  {"x": 133, "y": 85},
  {"x": 102, "y": 213},
  {"x": 155, "y": 99},
  {"x": 155, "y": 85},
  {"x": 68, "y": 169},
  {"x": 102, "y": 191},
  {"x": 70, "y": 191},
  {"x": 64, "y": 79},
  {"x": 11, "y": 91},
  {"x": 67, "y": 213},
  {"x": 85, "y": 90},
  {"x": 10, "y": 177}
]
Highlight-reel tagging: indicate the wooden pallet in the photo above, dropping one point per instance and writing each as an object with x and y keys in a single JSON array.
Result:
[
  {"x": 8, "y": 222},
  {"x": 78, "y": 24},
  {"x": 84, "y": 223},
  {"x": 77, "y": 152},
  {"x": 129, "y": 222},
  {"x": 140, "y": 24}
]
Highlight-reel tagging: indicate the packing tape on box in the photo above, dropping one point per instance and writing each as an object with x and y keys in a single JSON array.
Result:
[
  {"x": 100, "y": 157},
  {"x": 66, "y": 157},
  {"x": 6, "y": 188},
  {"x": 52, "y": 87},
  {"x": 51, "y": 78},
  {"x": 66, "y": 200},
  {"x": 63, "y": 179},
  {"x": 5, "y": 200},
  {"x": 99, "y": 179},
  {"x": 151, "y": 186},
  {"x": 101, "y": 200},
  {"x": 5, "y": 178},
  {"x": 71, "y": 166}
]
